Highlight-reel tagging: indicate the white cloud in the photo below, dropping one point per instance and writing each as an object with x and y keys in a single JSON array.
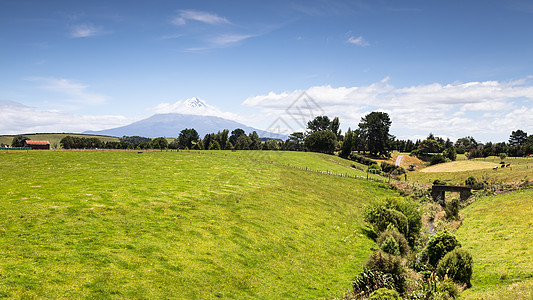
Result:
[
  {"x": 186, "y": 15},
  {"x": 458, "y": 109},
  {"x": 85, "y": 30},
  {"x": 227, "y": 39},
  {"x": 16, "y": 118},
  {"x": 73, "y": 91},
  {"x": 359, "y": 41}
]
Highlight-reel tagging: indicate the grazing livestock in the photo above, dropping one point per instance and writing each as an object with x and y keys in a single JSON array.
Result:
[
  {"x": 495, "y": 168},
  {"x": 508, "y": 165}
]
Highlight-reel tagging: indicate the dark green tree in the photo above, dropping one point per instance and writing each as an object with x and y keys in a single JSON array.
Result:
[
  {"x": 235, "y": 134},
  {"x": 374, "y": 128},
  {"x": 160, "y": 143},
  {"x": 429, "y": 146},
  {"x": 187, "y": 137},
  {"x": 348, "y": 145},
  {"x": 320, "y": 123},
  {"x": 243, "y": 142},
  {"x": 334, "y": 126},
  {"x": 321, "y": 141},
  {"x": 18, "y": 141},
  {"x": 517, "y": 137},
  {"x": 256, "y": 142}
]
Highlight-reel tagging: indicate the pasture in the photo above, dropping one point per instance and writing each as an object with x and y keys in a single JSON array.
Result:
[
  {"x": 55, "y": 138},
  {"x": 457, "y": 172},
  {"x": 119, "y": 224},
  {"x": 497, "y": 232}
]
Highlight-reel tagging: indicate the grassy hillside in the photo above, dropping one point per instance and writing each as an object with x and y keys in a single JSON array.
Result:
[
  {"x": 54, "y": 138},
  {"x": 178, "y": 225},
  {"x": 458, "y": 171},
  {"x": 497, "y": 232}
]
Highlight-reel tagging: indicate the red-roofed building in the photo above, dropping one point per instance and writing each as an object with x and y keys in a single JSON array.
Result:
[{"x": 37, "y": 145}]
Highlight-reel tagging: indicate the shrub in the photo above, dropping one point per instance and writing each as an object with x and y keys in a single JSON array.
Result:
[
  {"x": 393, "y": 169},
  {"x": 452, "y": 209},
  {"x": 470, "y": 181},
  {"x": 369, "y": 280},
  {"x": 457, "y": 265},
  {"x": 438, "y": 182},
  {"x": 437, "y": 159},
  {"x": 403, "y": 245},
  {"x": 384, "y": 294},
  {"x": 388, "y": 264},
  {"x": 374, "y": 169},
  {"x": 439, "y": 244},
  {"x": 450, "y": 153},
  {"x": 390, "y": 245},
  {"x": 361, "y": 159},
  {"x": 381, "y": 217}
]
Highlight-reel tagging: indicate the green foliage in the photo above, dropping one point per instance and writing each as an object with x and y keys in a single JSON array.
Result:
[
  {"x": 374, "y": 129},
  {"x": 452, "y": 209},
  {"x": 319, "y": 123},
  {"x": 434, "y": 289},
  {"x": 439, "y": 245},
  {"x": 429, "y": 146},
  {"x": 456, "y": 265},
  {"x": 470, "y": 181},
  {"x": 243, "y": 142},
  {"x": 450, "y": 153},
  {"x": 437, "y": 159},
  {"x": 187, "y": 137},
  {"x": 393, "y": 169},
  {"x": 388, "y": 264},
  {"x": 369, "y": 281},
  {"x": 160, "y": 143},
  {"x": 374, "y": 169},
  {"x": 390, "y": 246},
  {"x": 18, "y": 141},
  {"x": 439, "y": 182},
  {"x": 384, "y": 294},
  {"x": 361, "y": 159},
  {"x": 214, "y": 146},
  {"x": 321, "y": 141},
  {"x": 395, "y": 211},
  {"x": 381, "y": 217},
  {"x": 401, "y": 241}
]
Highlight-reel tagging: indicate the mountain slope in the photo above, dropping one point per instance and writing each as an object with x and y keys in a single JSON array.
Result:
[{"x": 170, "y": 125}]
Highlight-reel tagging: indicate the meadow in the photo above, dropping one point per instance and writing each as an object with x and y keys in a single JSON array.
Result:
[
  {"x": 497, "y": 232},
  {"x": 55, "y": 138},
  {"x": 457, "y": 172},
  {"x": 122, "y": 224}
]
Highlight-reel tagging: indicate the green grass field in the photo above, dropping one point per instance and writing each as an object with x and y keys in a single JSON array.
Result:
[
  {"x": 54, "y": 138},
  {"x": 116, "y": 224},
  {"x": 497, "y": 231},
  {"x": 458, "y": 171}
]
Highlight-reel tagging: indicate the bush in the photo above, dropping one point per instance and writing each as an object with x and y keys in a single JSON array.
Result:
[
  {"x": 361, "y": 159},
  {"x": 393, "y": 169},
  {"x": 374, "y": 169},
  {"x": 390, "y": 246},
  {"x": 452, "y": 209},
  {"x": 381, "y": 217},
  {"x": 470, "y": 181},
  {"x": 384, "y": 294},
  {"x": 388, "y": 264},
  {"x": 369, "y": 280},
  {"x": 438, "y": 182},
  {"x": 457, "y": 265},
  {"x": 450, "y": 153},
  {"x": 437, "y": 159},
  {"x": 439, "y": 245},
  {"x": 403, "y": 245}
]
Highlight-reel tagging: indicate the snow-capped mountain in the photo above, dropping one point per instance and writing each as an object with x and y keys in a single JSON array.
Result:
[
  {"x": 192, "y": 106},
  {"x": 191, "y": 113}
]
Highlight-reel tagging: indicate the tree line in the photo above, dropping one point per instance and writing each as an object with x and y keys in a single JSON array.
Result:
[{"x": 322, "y": 134}]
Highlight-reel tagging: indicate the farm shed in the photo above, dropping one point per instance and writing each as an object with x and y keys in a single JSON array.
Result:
[{"x": 37, "y": 145}]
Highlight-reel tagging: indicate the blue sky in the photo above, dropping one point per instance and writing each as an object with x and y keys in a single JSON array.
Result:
[{"x": 453, "y": 68}]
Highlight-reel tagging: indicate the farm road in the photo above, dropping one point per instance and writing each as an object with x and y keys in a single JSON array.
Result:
[{"x": 398, "y": 160}]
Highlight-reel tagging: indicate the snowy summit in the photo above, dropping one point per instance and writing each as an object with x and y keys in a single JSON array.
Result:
[{"x": 192, "y": 106}]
